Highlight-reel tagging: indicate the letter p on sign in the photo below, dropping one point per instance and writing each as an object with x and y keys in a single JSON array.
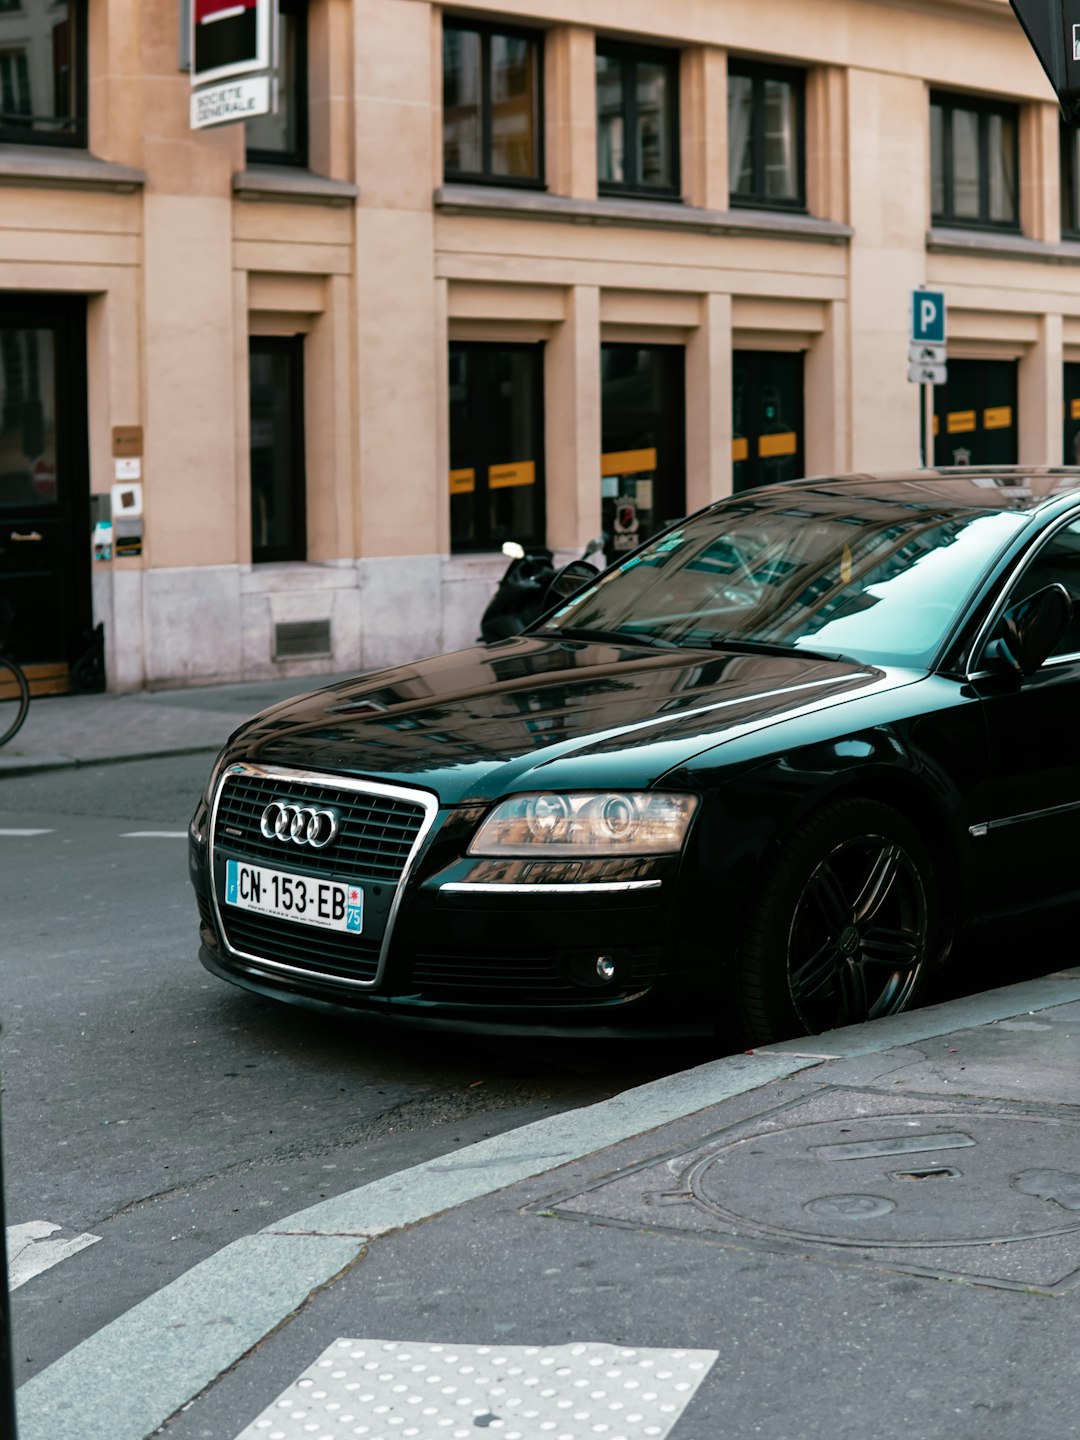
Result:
[{"x": 928, "y": 317}]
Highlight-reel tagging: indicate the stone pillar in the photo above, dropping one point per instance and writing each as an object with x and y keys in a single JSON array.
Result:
[
  {"x": 1041, "y": 396},
  {"x": 888, "y": 166},
  {"x": 570, "y": 108},
  {"x": 708, "y": 404},
  {"x": 703, "y": 124},
  {"x": 572, "y": 422}
]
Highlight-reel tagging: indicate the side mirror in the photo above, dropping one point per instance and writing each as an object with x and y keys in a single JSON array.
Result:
[
  {"x": 568, "y": 581},
  {"x": 1029, "y": 630}
]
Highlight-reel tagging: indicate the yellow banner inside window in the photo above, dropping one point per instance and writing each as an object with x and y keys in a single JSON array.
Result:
[
  {"x": 627, "y": 462},
  {"x": 502, "y": 477},
  {"x": 784, "y": 443}
]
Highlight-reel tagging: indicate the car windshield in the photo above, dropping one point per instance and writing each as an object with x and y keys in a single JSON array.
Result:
[{"x": 877, "y": 579}]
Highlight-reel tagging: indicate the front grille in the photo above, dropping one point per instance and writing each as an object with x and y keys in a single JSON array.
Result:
[
  {"x": 304, "y": 947},
  {"x": 375, "y": 837},
  {"x": 520, "y": 976}
]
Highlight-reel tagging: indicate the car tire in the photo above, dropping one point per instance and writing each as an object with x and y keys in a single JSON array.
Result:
[{"x": 842, "y": 926}]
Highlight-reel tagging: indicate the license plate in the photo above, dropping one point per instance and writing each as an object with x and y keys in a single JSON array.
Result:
[{"x": 329, "y": 904}]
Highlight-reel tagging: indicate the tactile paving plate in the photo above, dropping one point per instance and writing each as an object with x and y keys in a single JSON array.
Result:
[{"x": 413, "y": 1390}]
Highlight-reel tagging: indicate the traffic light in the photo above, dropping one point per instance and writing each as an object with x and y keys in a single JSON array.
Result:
[{"x": 1053, "y": 28}]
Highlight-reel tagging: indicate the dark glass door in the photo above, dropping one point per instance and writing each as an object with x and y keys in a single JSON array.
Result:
[
  {"x": 643, "y": 464},
  {"x": 496, "y": 445},
  {"x": 975, "y": 414},
  {"x": 44, "y": 480},
  {"x": 278, "y": 484},
  {"x": 1071, "y": 437},
  {"x": 767, "y": 418}
]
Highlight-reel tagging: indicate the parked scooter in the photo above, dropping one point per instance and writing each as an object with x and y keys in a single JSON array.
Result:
[{"x": 523, "y": 593}]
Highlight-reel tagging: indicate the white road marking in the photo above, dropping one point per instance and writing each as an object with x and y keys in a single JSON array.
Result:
[
  {"x": 27, "y": 832},
  {"x": 30, "y": 1251},
  {"x": 519, "y": 1392},
  {"x": 155, "y": 835}
]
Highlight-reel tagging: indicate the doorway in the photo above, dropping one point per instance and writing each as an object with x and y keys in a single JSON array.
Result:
[
  {"x": 975, "y": 414},
  {"x": 767, "y": 418},
  {"x": 643, "y": 460},
  {"x": 45, "y": 489}
]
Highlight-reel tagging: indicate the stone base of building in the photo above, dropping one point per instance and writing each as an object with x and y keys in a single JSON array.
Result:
[{"x": 204, "y": 625}]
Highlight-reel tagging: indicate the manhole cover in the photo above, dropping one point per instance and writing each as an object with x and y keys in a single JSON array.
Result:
[
  {"x": 984, "y": 1190},
  {"x": 909, "y": 1180}
]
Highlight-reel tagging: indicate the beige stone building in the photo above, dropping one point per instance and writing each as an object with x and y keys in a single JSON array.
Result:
[{"x": 527, "y": 270}]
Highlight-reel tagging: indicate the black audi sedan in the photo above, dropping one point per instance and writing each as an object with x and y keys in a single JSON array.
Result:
[{"x": 759, "y": 774}]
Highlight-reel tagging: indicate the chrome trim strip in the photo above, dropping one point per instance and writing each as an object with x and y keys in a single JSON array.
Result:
[
  {"x": 423, "y": 798},
  {"x": 1022, "y": 819},
  {"x": 590, "y": 887}
]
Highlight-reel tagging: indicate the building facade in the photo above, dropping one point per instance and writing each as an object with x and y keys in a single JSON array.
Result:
[{"x": 273, "y": 395}]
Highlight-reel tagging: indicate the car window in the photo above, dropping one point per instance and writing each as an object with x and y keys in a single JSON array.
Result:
[
  {"x": 881, "y": 581},
  {"x": 1058, "y": 561}
]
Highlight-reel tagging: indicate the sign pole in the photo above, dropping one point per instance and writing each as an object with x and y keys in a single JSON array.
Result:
[{"x": 7, "y": 1373}]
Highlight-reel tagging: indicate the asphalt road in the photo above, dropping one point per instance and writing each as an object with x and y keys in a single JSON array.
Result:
[{"x": 167, "y": 1113}]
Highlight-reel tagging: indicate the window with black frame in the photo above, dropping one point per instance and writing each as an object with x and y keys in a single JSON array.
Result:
[
  {"x": 278, "y": 484},
  {"x": 1070, "y": 181},
  {"x": 637, "y": 121},
  {"x": 43, "y": 85},
  {"x": 282, "y": 137},
  {"x": 974, "y": 162},
  {"x": 496, "y": 444},
  {"x": 492, "y": 123},
  {"x": 766, "y": 136}
]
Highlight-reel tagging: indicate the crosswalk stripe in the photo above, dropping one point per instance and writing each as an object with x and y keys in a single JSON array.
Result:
[
  {"x": 154, "y": 835},
  {"x": 27, "y": 832},
  {"x": 31, "y": 1251}
]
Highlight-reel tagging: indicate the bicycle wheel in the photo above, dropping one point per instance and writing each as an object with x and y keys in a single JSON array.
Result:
[{"x": 14, "y": 699}]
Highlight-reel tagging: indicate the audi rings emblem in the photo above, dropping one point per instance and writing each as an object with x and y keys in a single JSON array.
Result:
[{"x": 302, "y": 824}]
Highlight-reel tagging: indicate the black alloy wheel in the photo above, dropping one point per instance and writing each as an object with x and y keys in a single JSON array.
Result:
[{"x": 842, "y": 928}]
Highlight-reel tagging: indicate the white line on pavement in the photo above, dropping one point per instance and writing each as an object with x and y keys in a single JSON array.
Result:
[
  {"x": 30, "y": 1251},
  {"x": 154, "y": 835},
  {"x": 27, "y": 832}
]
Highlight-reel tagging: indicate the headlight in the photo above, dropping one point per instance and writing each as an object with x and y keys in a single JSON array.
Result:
[{"x": 612, "y": 823}]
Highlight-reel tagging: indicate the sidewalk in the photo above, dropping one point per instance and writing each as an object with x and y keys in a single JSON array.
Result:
[
  {"x": 874, "y": 1233},
  {"x": 65, "y": 730}
]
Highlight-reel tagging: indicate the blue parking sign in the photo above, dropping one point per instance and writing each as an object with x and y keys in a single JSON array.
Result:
[{"x": 928, "y": 317}]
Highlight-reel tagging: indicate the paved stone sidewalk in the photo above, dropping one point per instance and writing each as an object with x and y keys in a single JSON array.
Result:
[{"x": 63, "y": 730}]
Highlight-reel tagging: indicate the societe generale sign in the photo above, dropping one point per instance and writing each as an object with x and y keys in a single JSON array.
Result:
[{"x": 232, "y": 60}]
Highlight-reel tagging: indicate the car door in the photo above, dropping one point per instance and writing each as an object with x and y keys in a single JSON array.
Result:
[{"x": 1032, "y": 829}]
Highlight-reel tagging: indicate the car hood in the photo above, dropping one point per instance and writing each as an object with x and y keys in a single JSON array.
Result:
[{"x": 540, "y": 712}]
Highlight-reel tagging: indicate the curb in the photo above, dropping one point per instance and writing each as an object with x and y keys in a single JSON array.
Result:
[
  {"x": 127, "y": 1379},
  {"x": 31, "y": 766}
]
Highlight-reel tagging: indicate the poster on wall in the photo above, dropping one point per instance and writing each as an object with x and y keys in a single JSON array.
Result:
[{"x": 232, "y": 60}]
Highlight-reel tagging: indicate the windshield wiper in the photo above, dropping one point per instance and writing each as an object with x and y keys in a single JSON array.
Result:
[
  {"x": 766, "y": 647},
  {"x": 618, "y": 637}
]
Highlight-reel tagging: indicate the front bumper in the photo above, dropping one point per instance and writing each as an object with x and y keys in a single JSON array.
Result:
[{"x": 520, "y": 961}]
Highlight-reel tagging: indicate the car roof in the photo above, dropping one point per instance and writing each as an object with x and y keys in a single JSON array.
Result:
[{"x": 960, "y": 487}]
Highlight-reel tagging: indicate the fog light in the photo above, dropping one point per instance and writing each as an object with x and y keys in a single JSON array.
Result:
[{"x": 605, "y": 967}]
